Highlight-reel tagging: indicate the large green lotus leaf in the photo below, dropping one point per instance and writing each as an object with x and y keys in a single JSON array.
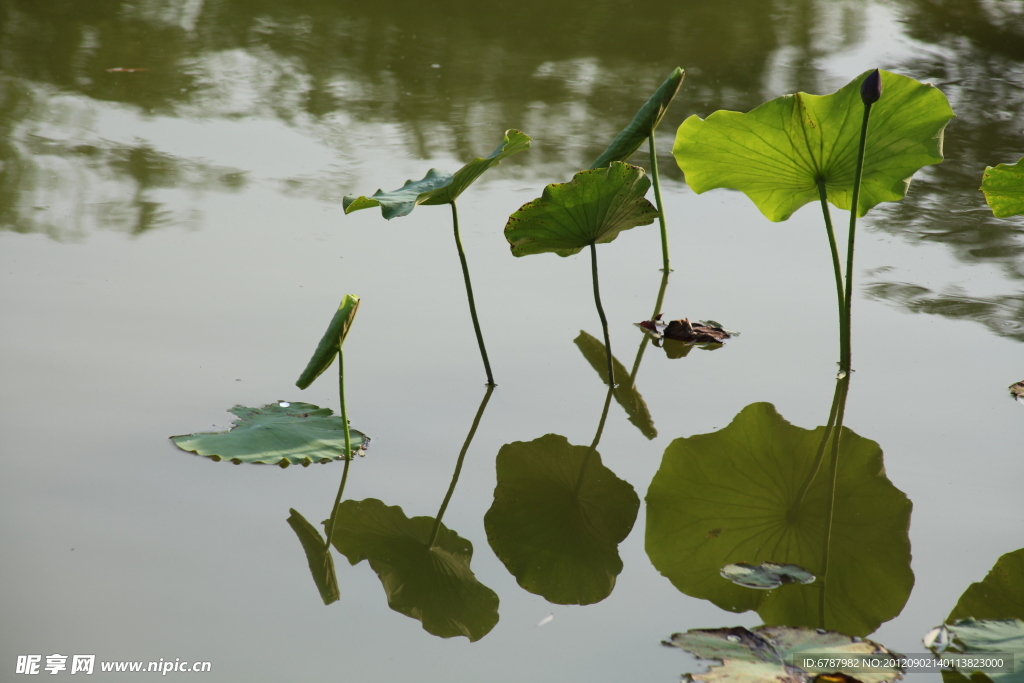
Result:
[
  {"x": 592, "y": 208},
  {"x": 776, "y": 153},
  {"x": 1004, "y": 189},
  {"x": 774, "y": 653},
  {"x": 331, "y": 342},
  {"x": 989, "y": 637},
  {"x": 557, "y": 519},
  {"x": 318, "y": 555},
  {"x": 431, "y": 584},
  {"x": 437, "y": 187},
  {"x": 277, "y": 434},
  {"x": 999, "y": 596},
  {"x": 626, "y": 393},
  {"x": 644, "y": 123},
  {"x": 731, "y": 496}
]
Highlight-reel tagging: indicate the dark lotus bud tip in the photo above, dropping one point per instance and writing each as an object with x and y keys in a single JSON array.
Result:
[{"x": 871, "y": 88}]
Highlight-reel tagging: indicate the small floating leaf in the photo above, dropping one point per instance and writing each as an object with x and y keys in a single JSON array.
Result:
[
  {"x": 1004, "y": 189},
  {"x": 626, "y": 393},
  {"x": 437, "y": 187},
  {"x": 333, "y": 338},
  {"x": 644, "y": 123},
  {"x": 318, "y": 555},
  {"x": 557, "y": 519},
  {"x": 433, "y": 584},
  {"x": 985, "y": 637},
  {"x": 592, "y": 208},
  {"x": 1017, "y": 391},
  {"x": 297, "y": 434},
  {"x": 774, "y": 653},
  {"x": 776, "y": 153},
  {"x": 766, "y": 575}
]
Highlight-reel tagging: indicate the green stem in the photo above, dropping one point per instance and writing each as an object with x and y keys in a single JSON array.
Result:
[
  {"x": 348, "y": 445},
  {"x": 842, "y": 390},
  {"x": 644, "y": 341},
  {"x": 819, "y": 456},
  {"x": 458, "y": 465},
  {"x": 600, "y": 312},
  {"x": 844, "y": 334},
  {"x": 469, "y": 295},
  {"x": 657, "y": 200},
  {"x": 593, "y": 444},
  {"x": 846, "y": 361}
]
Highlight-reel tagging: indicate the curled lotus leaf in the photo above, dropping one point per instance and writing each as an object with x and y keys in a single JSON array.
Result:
[
  {"x": 277, "y": 434},
  {"x": 777, "y": 153}
]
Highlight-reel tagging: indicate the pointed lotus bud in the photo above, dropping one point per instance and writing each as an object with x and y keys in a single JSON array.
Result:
[{"x": 871, "y": 88}]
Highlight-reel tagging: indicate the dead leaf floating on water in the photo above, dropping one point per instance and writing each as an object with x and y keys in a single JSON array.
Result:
[
  {"x": 1017, "y": 391},
  {"x": 703, "y": 332}
]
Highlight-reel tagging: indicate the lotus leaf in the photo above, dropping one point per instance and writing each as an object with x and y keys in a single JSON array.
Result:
[
  {"x": 277, "y": 434},
  {"x": 774, "y": 653},
  {"x": 626, "y": 393},
  {"x": 433, "y": 584},
  {"x": 776, "y": 153},
  {"x": 330, "y": 343},
  {"x": 644, "y": 123},
  {"x": 437, "y": 187},
  {"x": 734, "y": 496},
  {"x": 557, "y": 519},
  {"x": 593, "y": 208},
  {"x": 1004, "y": 189},
  {"x": 986, "y": 637},
  {"x": 999, "y": 596},
  {"x": 318, "y": 555}
]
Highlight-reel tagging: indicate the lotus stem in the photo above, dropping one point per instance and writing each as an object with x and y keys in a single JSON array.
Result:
[
  {"x": 844, "y": 334},
  {"x": 469, "y": 295},
  {"x": 600, "y": 312},
  {"x": 458, "y": 465},
  {"x": 645, "y": 340},
  {"x": 819, "y": 456},
  {"x": 847, "y": 355},
  {"x": 348, "y": 445},
  {"x": 657, "y": 200},
  {"x": 593, "y": 444},
  {"x": 842, "y": 391}
]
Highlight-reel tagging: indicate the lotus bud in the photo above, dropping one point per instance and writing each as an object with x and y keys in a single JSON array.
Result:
[{"x": 871, "y": 88}]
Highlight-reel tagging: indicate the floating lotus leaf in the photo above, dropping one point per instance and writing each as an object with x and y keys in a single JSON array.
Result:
[
  {"x": 557, "y": 519},
  {"x": 644, "y": 123},
  {"x": 982, "y": 637},
  {"x": 999, "y": 596},
  {"x": 1004, "y": 189},
  {"x": 330, "y": 343},
  {"x": 277, "y": 434},
  {"x": 625, "y": 393},
  {"x": 592, "y": 208},
  {"x": 733, "y": 496},
  {"x": 774, "y": 653},
  {"x": 318, "y": 555},
  {"x": 433, "y": 584},
  {"x": 776, "y": 153},
  {"x": 437, "y": 187},
  {"x": 766, "y": 575}
]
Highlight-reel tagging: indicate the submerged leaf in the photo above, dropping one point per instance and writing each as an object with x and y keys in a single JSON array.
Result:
[
  {"x": 644, "y": 123},
  {"x": 331, "y": 342},
  {"x": 557, "y": 519},
  {"x": 277, "y": 434},
  {"x": 437, "y": 187},
  {"x": 1004, "y": 189},
  {"x": 776, "y": 153},
  {"x": 766, "y": 575},
  {"x": 593, "y": 208},
  {"x": 433, "y": 584},
  {"x": 776, "y": 653},
  {"x": 318, "y": 555},
  {"x": 734, "y": 496},
  {"x": 626, "y": 393}
]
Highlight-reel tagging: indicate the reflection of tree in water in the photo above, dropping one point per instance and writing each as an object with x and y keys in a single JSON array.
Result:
[{"x": 977, "y": 61}]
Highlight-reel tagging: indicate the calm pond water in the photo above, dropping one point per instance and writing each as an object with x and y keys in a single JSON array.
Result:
[{"x": 173, "y": 244}]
